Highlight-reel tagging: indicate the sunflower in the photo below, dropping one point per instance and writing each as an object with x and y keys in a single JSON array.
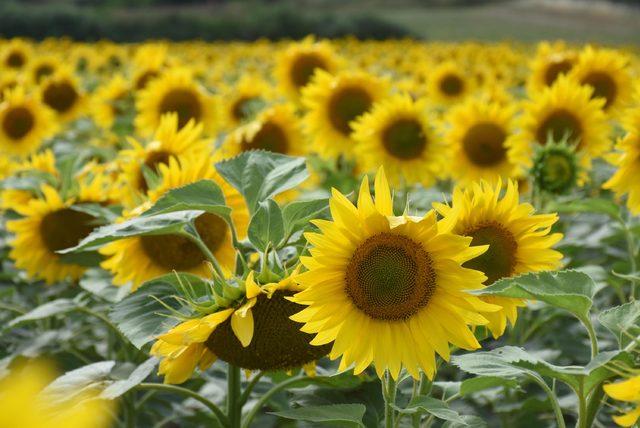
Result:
[
  {"x": 449, "y": 83},
  {"x": 519, "y": 240},
  {"x": 397, "y": 133},
  {"x": 551, "y": 61},
  {"x": 483, "y": 139},
  {"x": 62, "y": 93},
  {"x": 275, "y": 129},
  {"x": 241, "y": 101},
  {"x": 49, "y": 224},
  {"x": 24, "y": 123},
  {"x": 169, "y": 141},
  {"x": 395, "y": 278},
  {"x": 254, "y": 333},
  {"x": 141, "y": 258},
  {"x": 8, "y": 81},
  {"x": 628, "y": 163},
  {"x": 174, "y": 91},
  {"x": 24, "y": 405},
  {"x": 148, "y": 62},
  {"x": 297, "y": 64},
  {"x": 16, "y": 54},
  {"x": 42, "y": 67},
  {"x": 37, "y": 163},
  {"x": 607, "y": 72},
  {"x": 108, "y": 101},
  {"x": 333, "y": 103},
  {"x": 566, "y": 111},
  {"x": 627, "y": 390}
]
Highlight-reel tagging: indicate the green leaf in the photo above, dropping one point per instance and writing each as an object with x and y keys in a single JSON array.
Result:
[
  {"x": 100, "y": 212},
  {"x": 259, "y": 175},
  {"x": 569, "y": 290},
  {"x": 266, "y": 226},
  {"x": 297, "y": 215},
  {"x": 204, "y": 195},
  {"x": 470, "y": 421},
  {"x": 336, "y": 413},
  {"x": 141, "y": 317},
  {"x": 433, "y": 406},
  {"x": 99, "y": 283},
  {"x": 480, "y": 383},
  {"x": 90, "y": 378},
  {"x": 161, "y": 224},
  {"x": 82, "y": 258},
  {"x": 49, "y": 309},
  {"x": 589, "y": 205},
  {"x": 137, "y": 376},
  {"x": 623, "y": 321}
]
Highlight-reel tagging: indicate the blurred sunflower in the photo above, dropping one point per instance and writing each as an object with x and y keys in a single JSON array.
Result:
[
  {"x": 38, "y": 163},
  {"x": 395, "y": 278},
  {"x": 483, "y": 139},
  {"x": 141, "y": 258},
  {"x": 254, "y": 332},
  {"x": 551, "y": 61},
  {"x": 333, "y": 103},
  {"x": 449, "y": 83},
  {"x": 607, "y": 72},
  {"x": 519, "y": 241},
  {"x": 566, "y": 111},
  {"x": 108, "y": 101},
  {"x": 62, "y": 93},
  {"x": 241, "y": 101},
  {"x": 43, "y": 67},
  {"x": 397, "y": 134},
  {"x": 16, "y": 54},
  {"x": 24, "y": 123},
  {"x": 297, "y": 64},
  {"x": 175, "y": 91}
]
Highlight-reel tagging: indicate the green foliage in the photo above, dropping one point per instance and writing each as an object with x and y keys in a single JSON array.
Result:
[{"x": 342, "y": 414}]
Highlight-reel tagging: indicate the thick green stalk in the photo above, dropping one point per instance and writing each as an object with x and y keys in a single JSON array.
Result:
[
  {"x": 389, "y": 389},
  {"x": 234, "y": 392}
]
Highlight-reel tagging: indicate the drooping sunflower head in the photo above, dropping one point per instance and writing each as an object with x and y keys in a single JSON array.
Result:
[
  {"x": 333, "y": 103},
  {"x": 16, "y": 54},
  {"x": 139, "y": 259},
  {"x": 298, "y": 63},
  {"x": 24, "y": 123},
  {"x": 395, "y": 278},
  {"x": 399, "y": 133},
  {"x": 175, "y": 91},
  {"x": 566, "y": 111},
  {"x": 519, "y": 241},
  {"x": 482, "y": 136},
  {"x": 62, "y": 93},
  {"x": 276, "y": 129},
  {"x": 449, "y": 83},
  {"x": 551, "y": 61},
  {"x": 607, "y": 72}
]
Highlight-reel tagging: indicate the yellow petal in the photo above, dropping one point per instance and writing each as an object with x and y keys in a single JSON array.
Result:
[{"x": 242, "y": 326}]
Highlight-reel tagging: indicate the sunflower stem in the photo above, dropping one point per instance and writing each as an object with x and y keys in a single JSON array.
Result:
[
  {"x": 234, "y": 392},
  {"x": 557, "y": 410},
  {"x": 193, "y": 236},
  {"x": 631, "y": 251},
  {"x": 389, "y": 389}
]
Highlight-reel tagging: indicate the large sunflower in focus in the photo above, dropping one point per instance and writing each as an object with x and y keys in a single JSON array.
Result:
[
  {"x": 607, "y": 72},
  {"x": 141, "y": 258},
  {"x": 297, "y": 64},
  {"x": 333, "y": 103},
  {"x": 395, "y": 278},
  {"x": 175, "y": 91},
  {"x": 24, "y": 123},
  {"x": 62, "y": 93},
  {"x": 169, "y": 141},
  {"x": 624, "y": 181},
  {"x": 398, "y": 134},
  {"x": 482, "y": 136},
  {"x": 276, "y": 129},
  {"x": 567, "y": 111},
  {"x": 551, "y": 61},
  {"x": 519, "y": 241},
  {"x": 449, "y": 83}
]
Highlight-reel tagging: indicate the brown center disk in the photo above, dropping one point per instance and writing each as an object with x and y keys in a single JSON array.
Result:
[
  {"x": 43, "y": 71},
  {"x": 559, "y": 124},
  {"x": 603, "y": 87},
  {"x": 346, "y": 105},
  {"x": 555, "y": 69},
  {"x": 18, "y": 122},
  {"x": 484, "y": 144},
  {"x": 60, "y": 96},
  {"x": 15, "y": 60},
  {"x": 270, "y": 137},
  {"x": 405, "y": 139},
  {"x": 146, "y": 77},
  {"x": 277, "y": 344},
  {"x": 153, "y": 162},
  {"x": 390, "y": 277},
  {"x": 451, "y": 85},
  {"x": 173, "y": 252},
  {"x": 239, "y": 110},
  {"x": 499, "y": 261},
  {"x": 303, "y": 68},
  {"x": 65, "y": 228},
  {"x": 184, "y": 103}
]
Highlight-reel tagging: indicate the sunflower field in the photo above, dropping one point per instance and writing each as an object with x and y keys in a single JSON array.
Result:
[{"x": 337, "y": 233}]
